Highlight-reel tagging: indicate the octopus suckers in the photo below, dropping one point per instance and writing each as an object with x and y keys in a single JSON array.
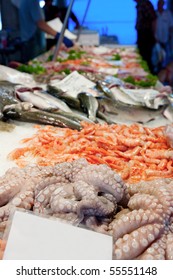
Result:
[
  {"x": 16, "y": 201},
  {"x": 125, "y": 219},
  {"x": 46, "y": 192},
  {"x": 106, "y": 181},
  {"x": 149, "y": 257},
  {"x": 69, "y": 207},
  {"x": 143, "y": 230},
  {"x": 144, "y": 242},
  {"x": 150, "y": 250},
  {"x": 138, "y": 217},
  {"x": 156, "y": 231},
  {"x": 135, "y": 244},
  {"x": 118, "y": 190},
  {"x": 41, "y": 198},
  {"x": 145, "y": 217},
  {"x": 150, "y": 237},
  {"x": 118, "y": 253},
  {"x": 125, "y": 237},
  {"x": 135, "y": 233},
  {"x": 126, "y": 248},
  {"x": 161, "y": 251},
  {"x": 22, "y": 196}
]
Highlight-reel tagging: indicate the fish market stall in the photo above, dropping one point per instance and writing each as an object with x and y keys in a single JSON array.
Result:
[{"x": 93, "y": 147}]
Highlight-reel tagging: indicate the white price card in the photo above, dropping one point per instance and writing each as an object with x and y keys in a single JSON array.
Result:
[
  {"x": 34, "y": 237},
  {"x": 73, "y": 84}
]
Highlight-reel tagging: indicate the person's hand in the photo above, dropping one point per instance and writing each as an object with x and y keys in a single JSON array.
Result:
[{"x": 67, "y": 42}]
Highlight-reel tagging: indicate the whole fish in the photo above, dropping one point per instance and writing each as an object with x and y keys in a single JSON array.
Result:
[
  {"x": 7, "y": 87},
  {"x": 69, "y": 100},
  {"x": 37, "y": 101},
  {"x": 54, "y": 101},
  {"x": 41, "y": 100},
  {"x": 105, "y": 90},
  {"x": 6, "y": 95},
  {"x": 110, "y": 106},
  {"x": 7, "y": 90},
  {"x": 76, "y": 116},
  {"x": 89, "y": 104},
  {"x": 104, "y": 117},
  {"x": 119, "y": 113},
  {"x": 24, "y": 112}
]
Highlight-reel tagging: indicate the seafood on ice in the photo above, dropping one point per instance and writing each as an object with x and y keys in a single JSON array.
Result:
[
  {"x": 135, "y": 152},
  {"x": 138, "y": 216}
]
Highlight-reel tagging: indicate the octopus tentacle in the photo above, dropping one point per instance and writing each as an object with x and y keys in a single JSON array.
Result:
[
  {"x": 133, "y": 244},
  {"x": 63, "y": 200},
  {"x": 145, "y": 201},
  {"x": 8, "y": 191},
  {"x": 156, "y": 188},
  {"x": 156, "y": 251},
  {"x": 103, "y": 178},
  {"x": 41, "y": 202},
  {"x": 69, "y": 217},
  {"x": 49, "y": 181},
  {"x": 169, "y": 246},
  {"x": 132, "y": 221},
  {"x": 93, "y": 223},
  {"x": 90, "y": 202}
]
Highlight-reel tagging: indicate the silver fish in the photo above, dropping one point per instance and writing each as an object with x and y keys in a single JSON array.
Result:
[
  {"x": 37, "y": 101},
  {"x": 119, "y": 113},
  {"x": 54, "y": 101},
  {"x": 6, "y": 96},
  {"x": 69, "y": 100},
  {"x": 104, "y": 117},
  {"x": 76, "y": 116},
  {"x": 105, "y": 90},
  {"x": 89, "y": 104},
  {"x": 25, "y": 112}
]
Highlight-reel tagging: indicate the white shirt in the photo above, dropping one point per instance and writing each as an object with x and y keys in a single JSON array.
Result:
[{"x": 163, "y": 23}]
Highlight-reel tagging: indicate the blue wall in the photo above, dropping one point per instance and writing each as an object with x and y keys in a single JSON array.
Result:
[{"x": 114, "y": 17}]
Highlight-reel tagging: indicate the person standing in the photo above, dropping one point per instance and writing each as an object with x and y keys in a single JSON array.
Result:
[
  {"x": 145, "y": 27},
  {"x": 164, "y": 28},
  {"x": 33, "y": 28}
]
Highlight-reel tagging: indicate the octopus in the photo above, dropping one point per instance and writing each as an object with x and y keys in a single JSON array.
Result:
[
  {"x": 17, "y": 189},
  {"x": 145, "y": 230},
  {"x": 80, "y": 189},
  {"x": 70, "y": 191},
  {"x": 138, "y": 216}
]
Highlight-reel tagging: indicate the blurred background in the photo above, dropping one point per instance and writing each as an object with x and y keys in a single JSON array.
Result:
[{"x": 109, "y": 18}]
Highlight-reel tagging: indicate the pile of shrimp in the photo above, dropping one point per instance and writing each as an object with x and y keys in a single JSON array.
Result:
[{"x": 135, "y": 152}]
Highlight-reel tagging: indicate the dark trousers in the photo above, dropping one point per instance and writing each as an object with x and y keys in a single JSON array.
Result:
[
  {"x": 33, "y": 47},
  {"x": 145, "y": 43}
]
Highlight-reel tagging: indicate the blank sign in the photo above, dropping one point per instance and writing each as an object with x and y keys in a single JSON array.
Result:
[{"x": 34, "y": 237}]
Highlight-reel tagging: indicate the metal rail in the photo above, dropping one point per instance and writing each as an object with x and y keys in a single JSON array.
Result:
[{"x": 60, "y": 40}]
